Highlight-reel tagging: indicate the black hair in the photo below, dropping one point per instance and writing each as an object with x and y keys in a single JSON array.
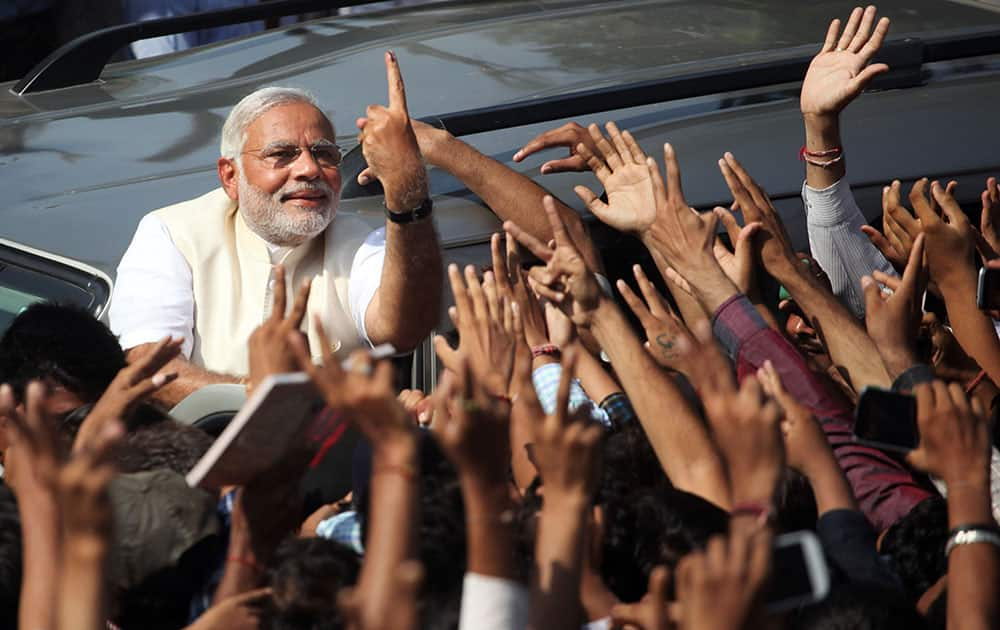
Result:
[
  {"x": 10, "y": 558},
  {"x": 857, "y": 608},
  {"x": 916, "y": 544},
  {"x": 167, "y": 444},
  {"x": 649, "y": 527},
  {"x": 305, "y": 575},
  {"x": 61, "y": 343}
]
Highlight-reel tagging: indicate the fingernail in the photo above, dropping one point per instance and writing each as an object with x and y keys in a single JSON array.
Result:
[
  {"x": 392, "y": 55},
  {"x": 517, "y": 156},
  {"x": 159, "y": 379},
  {"x": 363, "y": 180}
]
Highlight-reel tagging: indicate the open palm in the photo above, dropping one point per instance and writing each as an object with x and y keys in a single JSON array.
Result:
[
  {"x": 840, "y": 71},
  {"x": 620, "y": 166}
]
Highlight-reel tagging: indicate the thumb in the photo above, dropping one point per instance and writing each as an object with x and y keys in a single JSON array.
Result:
[
  {"x": 865, "y": 76},
  {"x": 873, "y": 295}
]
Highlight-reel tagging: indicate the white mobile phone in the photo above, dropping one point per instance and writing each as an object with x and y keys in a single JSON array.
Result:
[{"x": 799, "y": 573}]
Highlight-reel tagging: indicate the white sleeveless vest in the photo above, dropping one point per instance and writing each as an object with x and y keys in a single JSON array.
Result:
[{"x": 232, "y": 279}]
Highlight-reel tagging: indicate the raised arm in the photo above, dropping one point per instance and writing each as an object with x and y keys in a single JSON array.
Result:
[
  {"x": 950, "y": 246},
  {"x": 836, "y": 76},
  {"x": 847, "y": 340},
  {"x": 681, "y": 442},
  {"x": 406, "y": 305}
]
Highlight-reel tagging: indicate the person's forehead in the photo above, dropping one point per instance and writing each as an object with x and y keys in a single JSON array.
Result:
[{"x": 295, "y": 122}]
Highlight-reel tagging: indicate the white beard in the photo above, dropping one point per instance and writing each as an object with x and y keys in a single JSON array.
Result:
[{"x": 266, "y": 215}]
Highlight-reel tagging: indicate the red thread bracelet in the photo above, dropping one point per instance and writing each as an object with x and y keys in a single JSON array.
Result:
[{"x": 548, "y": 349}]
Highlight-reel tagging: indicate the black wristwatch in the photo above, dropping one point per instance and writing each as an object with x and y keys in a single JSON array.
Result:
[{"x": 420, "y": 212}]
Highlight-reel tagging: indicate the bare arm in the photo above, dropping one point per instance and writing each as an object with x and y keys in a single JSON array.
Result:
[
  {"x": 399, "y": 314},
  {"x": 512, "y": 196},
  {"x": 846, "y": 339},
  {"x": 190, "y": 377}
]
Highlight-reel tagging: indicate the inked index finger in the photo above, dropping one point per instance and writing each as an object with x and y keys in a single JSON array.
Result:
[{"x": 397, "y": 93}]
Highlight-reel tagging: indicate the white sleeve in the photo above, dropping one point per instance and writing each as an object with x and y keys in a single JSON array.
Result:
[
  {"x": 366, "y": 274},
  {"x": 153, "y": 295},
  {"x": 492, "y": 603},
  {"x": 834, "y": 220}
]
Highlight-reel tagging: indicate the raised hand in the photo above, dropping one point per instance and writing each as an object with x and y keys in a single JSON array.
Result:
[
  {"x": 473, "y": 427},
  {"x": 740, "y": 264},
  {"x": 565, "y": 280},
  {"x": 664, "y": 329},
  {"x": 681, "y": 235},
  {"x": 133, "y": 384},
  {"x": 485, "y": 331},
  {"x": 893, "y": 320},
  {"x": 954, "y": 434},
  {"x": 570, "y": 135},
  {"x": 775, "y": 245},
  {"x": 989, "y": 221},
  {"x": 620, "y": 166},
  {"x": 390, "y": 146},
  {"x": 719, "y": 588},
  {"x": 364, "y": 392},
  {"x": 269, "y": 352},
  {"x": 950, "y": 238},
  {"x": 840, "y": 72}
]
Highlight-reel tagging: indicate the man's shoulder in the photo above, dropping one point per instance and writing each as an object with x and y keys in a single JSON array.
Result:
[{"x": 213, "y": 203}]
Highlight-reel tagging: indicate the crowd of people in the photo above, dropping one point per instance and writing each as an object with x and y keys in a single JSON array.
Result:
[{"x": 569, "y": 469}]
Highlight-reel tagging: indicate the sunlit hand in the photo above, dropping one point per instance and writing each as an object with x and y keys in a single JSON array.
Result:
[
  {"x": 390, "y": 146},
  {"x": 840, "y": 72},
  {"x": 620, "y": 166},
  {"x": 570, "y": 135}
]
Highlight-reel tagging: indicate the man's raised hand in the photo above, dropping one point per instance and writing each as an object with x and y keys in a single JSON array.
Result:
[
  {"x": 565, "y": 279},
  {"x": 269, "y": 351},
  {"x": 840, "y": 72},
  {"x": 570, "y": 135},
  {"x": 620, "y": 165},
  {"x": 390, "y": 146}
]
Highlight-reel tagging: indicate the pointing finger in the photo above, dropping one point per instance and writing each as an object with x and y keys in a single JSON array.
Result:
[{"x": 397, "y": 94}]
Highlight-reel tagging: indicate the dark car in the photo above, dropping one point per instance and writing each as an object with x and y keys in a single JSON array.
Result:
[{"x": 83, "y": 160}]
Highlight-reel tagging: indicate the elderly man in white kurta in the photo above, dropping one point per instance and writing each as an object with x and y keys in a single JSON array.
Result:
[{"x": 204, "y": 269}]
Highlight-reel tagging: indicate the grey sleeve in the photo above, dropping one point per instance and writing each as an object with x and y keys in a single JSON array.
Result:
[{"x": 833, "y": 221}]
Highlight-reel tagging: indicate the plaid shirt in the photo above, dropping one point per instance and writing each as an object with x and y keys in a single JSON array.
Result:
[
  {"x": 885, "y": 490},
  {"x": 546, "y": 380}
]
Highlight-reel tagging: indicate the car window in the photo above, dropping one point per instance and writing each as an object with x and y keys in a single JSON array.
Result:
[{"x": 27, "y": 277}]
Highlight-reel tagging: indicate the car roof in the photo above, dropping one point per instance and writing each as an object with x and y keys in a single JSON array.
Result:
[{"x": 82, "y": 165}]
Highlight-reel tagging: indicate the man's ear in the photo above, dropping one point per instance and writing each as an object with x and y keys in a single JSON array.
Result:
[{"x": 229, "y": 177}]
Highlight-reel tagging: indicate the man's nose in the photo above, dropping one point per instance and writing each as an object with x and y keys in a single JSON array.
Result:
[{"x": 306, "y": 167}]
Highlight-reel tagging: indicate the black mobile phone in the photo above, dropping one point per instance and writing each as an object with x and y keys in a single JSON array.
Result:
[
  {"x": 799, "y": 574},
  {"x": 886, "y": 420},
  {"x": 988, "y": 292}
]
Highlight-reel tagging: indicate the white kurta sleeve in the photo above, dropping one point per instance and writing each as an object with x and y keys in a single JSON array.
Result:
[
  {"x": 366, "y": 274},
  {"x": 834, "y": 220},
  {"x": 153, "y": 295},
  {"x": 492, "y": 603}
]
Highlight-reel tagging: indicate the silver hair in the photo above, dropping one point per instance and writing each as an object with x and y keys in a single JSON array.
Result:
[{"x": 253, "y": 106}]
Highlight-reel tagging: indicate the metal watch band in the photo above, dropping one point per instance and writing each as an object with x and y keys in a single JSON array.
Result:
[
  {"x": 420, "y": 212},
  {"x": 972, "y": 536}
]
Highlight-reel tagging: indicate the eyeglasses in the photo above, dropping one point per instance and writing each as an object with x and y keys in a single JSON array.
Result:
[{"x": 327, "y": 155}]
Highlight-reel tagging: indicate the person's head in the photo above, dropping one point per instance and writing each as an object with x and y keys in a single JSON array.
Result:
[
  {"x": 64, "y": 346},
  {"x": 305, "y": 576},
  {"x": 916, "y": 544},
  {"x": 167, "y": 543},
  {"x": 853, "y": 608},
  {"x": 650, "y": 527},
  {"x": 280, "y": 162},
  {"x": 10, "y": 558}
]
